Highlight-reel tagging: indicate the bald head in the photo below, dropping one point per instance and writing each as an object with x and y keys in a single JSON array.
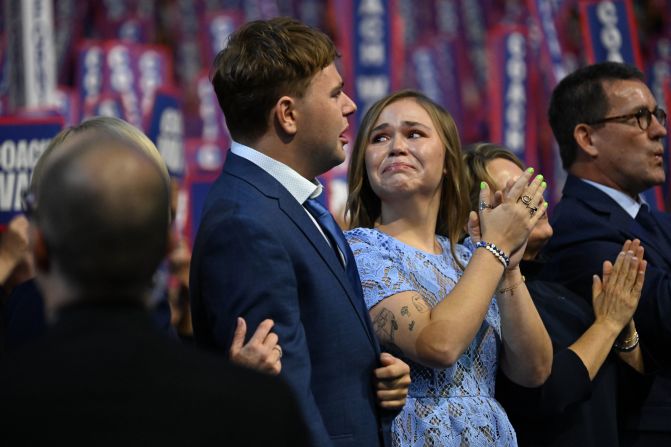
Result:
[{"x": 102, "y": 211}]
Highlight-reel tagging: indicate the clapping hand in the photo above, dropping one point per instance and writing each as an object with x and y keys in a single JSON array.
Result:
[{"x": 616, "y": 296}]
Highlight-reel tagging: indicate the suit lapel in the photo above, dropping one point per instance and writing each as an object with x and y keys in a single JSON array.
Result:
[
  {"x": 270, "y": 187},
  {"x": 299, "y": 216},
  {"x": 618, "y": 218}
]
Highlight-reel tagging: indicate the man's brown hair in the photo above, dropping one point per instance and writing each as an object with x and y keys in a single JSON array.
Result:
[{"x": 264, "y": 60}]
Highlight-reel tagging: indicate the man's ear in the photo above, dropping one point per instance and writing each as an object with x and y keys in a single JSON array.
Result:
[
  {"x": 584, "y": 137},
  {"x": 40, "y": 249},
  {"x": 285, "y": 115}
]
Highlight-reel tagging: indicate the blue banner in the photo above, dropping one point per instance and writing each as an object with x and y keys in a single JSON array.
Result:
[
  {"x": 22, "y": 141},
  {"x": 166, "y": 130},
  {"x": 372, "y": 52},
  {"x": 512, "y": 112},
  {"x": 609, "y": 32}
]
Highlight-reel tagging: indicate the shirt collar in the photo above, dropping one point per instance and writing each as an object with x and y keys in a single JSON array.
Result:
[
  {"x": 629, "y": 205},
  {"x": 298, "y": 186}
]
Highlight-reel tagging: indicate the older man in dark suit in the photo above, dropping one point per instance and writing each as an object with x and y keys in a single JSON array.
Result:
[
  {"x": 610, "y": 129},
  {"x": 103, "y": 374},
  {"x": 266, "y": 248}
]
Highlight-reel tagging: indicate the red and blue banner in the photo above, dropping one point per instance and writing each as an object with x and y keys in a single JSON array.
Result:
[
  {"x": 22, "y": 141},
  {"x": 372, "y": 44},
  {"x": 609, "y": 32},
  {"x": 166, "y": 129},
  {"x": 204, "y": 161},
  {"x": 550, "y": 54},
  {"x": 89, "y": 78},
  {"x": 512, "y": 112},
  {"x": 218, "y": 26}
]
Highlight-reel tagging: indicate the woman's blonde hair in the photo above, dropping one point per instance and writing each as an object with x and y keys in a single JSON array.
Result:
[
  {"x": 363, "y": 206},
  {"x": 476, "y": 157}
]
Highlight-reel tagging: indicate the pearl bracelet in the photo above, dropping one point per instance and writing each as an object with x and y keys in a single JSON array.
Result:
[{"x": 496, "y": 251}]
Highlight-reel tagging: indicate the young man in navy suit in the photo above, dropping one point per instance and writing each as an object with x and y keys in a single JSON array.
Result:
[
  {"x": 610, "y": 130},
  {"x": 266, "y": 249}
]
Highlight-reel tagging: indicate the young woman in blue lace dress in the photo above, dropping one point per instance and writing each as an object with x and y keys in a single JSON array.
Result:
[{"x": 455, "y": 312}]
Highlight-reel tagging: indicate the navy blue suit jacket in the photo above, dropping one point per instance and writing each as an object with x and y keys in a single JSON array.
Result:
[
  {"x": 590, "y": 227},
  {"x": 259, "y": 255}
]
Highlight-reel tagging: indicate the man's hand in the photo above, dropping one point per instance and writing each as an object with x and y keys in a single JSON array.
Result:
[
  {"x": 391, "y": 382},
  {"x": 262, "y": 352}
]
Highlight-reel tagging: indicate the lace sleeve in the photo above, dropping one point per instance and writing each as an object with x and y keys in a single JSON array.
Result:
[{"x": 381, "y": 271}]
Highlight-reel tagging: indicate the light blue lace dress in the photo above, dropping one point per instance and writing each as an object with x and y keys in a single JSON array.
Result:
[{"x": 445, "y": 407}]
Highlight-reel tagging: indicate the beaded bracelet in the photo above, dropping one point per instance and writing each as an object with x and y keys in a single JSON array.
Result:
[
  {"x": 496, "y": 251},
  {"x": 628, "y": 345}
]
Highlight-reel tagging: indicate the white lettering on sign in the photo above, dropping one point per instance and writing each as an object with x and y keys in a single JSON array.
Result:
[
  {"x": 610, "y": 35},
  {"x": 372, "y": 51},
  {"x": 220, "y": 28},
  {"x": 208, "y": 110},
  {"x": 92, "y": 73},
  {"x": 170, "y": 140},
  {"x": 17, "y": 159},
  {"x": 426, "y": 74},
  {"x": 371, "y": 88},
  {"x": 514, "y": 114}
]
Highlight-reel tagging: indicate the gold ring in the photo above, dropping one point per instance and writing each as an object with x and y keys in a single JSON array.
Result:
[{"x": 525, "y": 199}]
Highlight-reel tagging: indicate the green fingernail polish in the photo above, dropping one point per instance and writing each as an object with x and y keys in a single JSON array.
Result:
[
  {"x": 545, "y": 204},
  {"x": 483, "y": 185},
  {"x": 540, "y": 177},
  {"x": 530, "y": 170},
  {"x": 544, "y": 185}
]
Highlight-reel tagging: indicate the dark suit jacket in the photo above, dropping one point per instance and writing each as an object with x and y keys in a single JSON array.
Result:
[
  {"x": 259, "y": 255},
  {"x": 569, "y": 409},
  {"x": 103, "y": 375},
  {"x": 590, "y": 227},
  {"x": 23, "y": 318}
]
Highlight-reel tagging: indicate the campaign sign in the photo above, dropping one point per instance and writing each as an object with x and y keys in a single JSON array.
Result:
[
  {"x": 166, "y": 129},
  {"x": 511, "y": 115},
  {"x": 204, "y": 161},
  {"x": 609, "y": 32},
  {"x": 551, "y": 51},
  {"x": 211, "y": 119},
  {"x": 154, "y": 68},
  {"x": 90, "y": 64},
  {"x": 374, "y": 39},
  {"x": 121, "y": 75},
  {"x": 22, "y": 141},
  {"x": 218, "y": 26}
]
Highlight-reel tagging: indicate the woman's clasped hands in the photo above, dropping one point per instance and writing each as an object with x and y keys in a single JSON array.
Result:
[{"x": 506, "y": 217}]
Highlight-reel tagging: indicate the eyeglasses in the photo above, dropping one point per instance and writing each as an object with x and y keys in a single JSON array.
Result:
[{"x": 643, "y": 117}]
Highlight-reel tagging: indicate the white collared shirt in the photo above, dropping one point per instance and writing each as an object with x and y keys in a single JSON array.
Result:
[
  {"x": 298, "y": 186},
  {"x": 629, "y": 205}
]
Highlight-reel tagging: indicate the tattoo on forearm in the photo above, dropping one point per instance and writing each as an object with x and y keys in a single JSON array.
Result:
[
  {"x": 411, "y": 325},
  {"x": 385, "y": 325},
  {"x": 420, "y": 304},
  {"x": 404, "y": 311}
]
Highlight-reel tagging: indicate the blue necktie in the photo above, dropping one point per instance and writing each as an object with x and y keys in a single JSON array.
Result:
[
  {"x": 336, "y": 237},
  {"x": 648, "y": 222}
]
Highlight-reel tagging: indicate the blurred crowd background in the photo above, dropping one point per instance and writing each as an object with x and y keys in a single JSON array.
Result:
[{"x": 491, "y": 63}]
